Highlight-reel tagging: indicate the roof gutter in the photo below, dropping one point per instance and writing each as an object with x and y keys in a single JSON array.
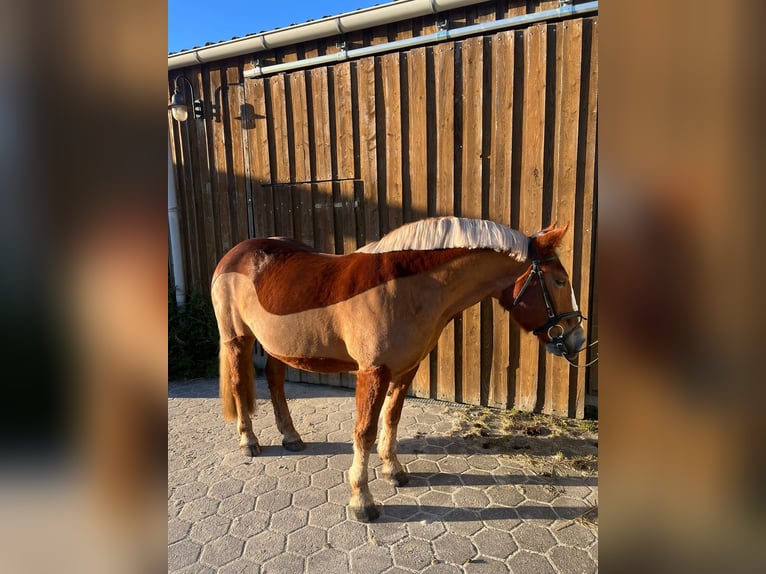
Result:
[
  {"x": 323, "y": 28},
  {"x": 565, "y": 11}
]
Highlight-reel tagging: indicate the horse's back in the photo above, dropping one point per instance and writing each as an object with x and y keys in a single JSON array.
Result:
[{"x": 248, "y": 256}]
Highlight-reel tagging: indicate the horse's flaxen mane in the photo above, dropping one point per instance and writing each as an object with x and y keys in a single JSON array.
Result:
[{"x": 452, "y": 233}]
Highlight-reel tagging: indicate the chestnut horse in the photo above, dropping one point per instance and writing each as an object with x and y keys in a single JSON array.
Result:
[{"x": 378, "y": 311}]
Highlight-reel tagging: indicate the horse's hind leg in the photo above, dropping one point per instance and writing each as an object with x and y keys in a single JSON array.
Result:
[
  {"x": 237, "y": 390},
  {"x": 275, "y": 376},
  {"x": 371, "y": 388},
  {"x": 392, "y": 411}
]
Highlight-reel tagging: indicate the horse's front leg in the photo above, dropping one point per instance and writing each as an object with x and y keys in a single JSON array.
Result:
[
  {"x": 392, "y": 469},
  {"x": 371, "y": 385}
]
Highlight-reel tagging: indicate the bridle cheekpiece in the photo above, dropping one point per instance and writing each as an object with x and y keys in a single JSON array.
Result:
[{"x": 554, "y": 319}]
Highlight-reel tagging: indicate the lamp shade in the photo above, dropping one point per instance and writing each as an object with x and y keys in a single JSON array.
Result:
[{"x": 178, "y": 107}]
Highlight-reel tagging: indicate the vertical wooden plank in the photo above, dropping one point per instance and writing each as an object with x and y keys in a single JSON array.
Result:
[
  {"x": 207, "y": 198},
  {"x": 283, "y": 209},
  {"x": 344, "y": 130},
  {"x": 299, "y": 126},
  {"x": 237, "y": 119},
  {"x": 531, "y": 217},
  {"x": 320, "y": 106},
  {"x": 500, "y": 200},
  {"x": 587, "y": 282},
  {"x": 323, "y": 199},
  {"x": 346, "y": 218},
  {"x": 392, "y": 138},
  {"x": 281, "y": 155},
  {"x": 418, "y": 172},
  {"x": 471, "y": 202},
  {"x": 278, "y": 136},
  {"x": 344, "y": 154},
  {"x": 418, "y": 133},
  {"x": 259, "y": 161},
  {"x": 444, "y": 86},
  {"x": 368, "y": 160},
  {"x": 220, "y": 177},
  {"x": 567, "y": 104}
]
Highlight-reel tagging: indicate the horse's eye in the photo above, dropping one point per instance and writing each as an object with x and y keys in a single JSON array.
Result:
[{"x": 560, "y": 282}]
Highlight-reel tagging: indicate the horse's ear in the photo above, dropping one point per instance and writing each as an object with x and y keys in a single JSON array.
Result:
[{"x": 548, "y": 239}]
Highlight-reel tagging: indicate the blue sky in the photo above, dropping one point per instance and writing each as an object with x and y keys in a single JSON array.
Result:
[{"x": 196, "y": 22}]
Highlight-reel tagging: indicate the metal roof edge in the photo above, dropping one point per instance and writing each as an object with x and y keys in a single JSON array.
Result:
[{"x": 363, "y": 18}]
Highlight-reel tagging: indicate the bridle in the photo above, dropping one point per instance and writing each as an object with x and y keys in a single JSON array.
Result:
[{"x": 554, "y": 319}]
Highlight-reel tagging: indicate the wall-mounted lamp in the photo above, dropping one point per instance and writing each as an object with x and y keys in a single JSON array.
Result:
[{"x": 178, "y": 106}]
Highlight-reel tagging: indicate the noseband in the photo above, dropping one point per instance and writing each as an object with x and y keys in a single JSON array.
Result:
[{"x": 554, "y": 319}]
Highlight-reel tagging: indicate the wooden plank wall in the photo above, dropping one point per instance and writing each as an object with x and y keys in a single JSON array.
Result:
[{"x": 500, "y": 126}]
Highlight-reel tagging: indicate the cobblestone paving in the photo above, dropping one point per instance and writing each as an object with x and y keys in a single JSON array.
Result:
[{"x": 466, "y": 508}]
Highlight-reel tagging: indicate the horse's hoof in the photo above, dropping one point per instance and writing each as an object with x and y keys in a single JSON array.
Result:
[
  {"x": 294, "y": 446},
  {"x": 398, "y": 479},
  {"x": 366, "y": 513},
  {"x": 250, "y": 449}
]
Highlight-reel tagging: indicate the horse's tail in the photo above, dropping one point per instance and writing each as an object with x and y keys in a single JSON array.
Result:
[
  {"x": 237, "y": 361},
  {"x": 227, "y": 397}
]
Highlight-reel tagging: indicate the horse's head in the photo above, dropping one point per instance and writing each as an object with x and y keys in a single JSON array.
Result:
[{"x": 542, "y": 299}]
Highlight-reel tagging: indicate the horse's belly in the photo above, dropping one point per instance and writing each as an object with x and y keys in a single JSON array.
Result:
[
  {"x": 305, "y": 340},
  {"x": 318, "y": 364}
]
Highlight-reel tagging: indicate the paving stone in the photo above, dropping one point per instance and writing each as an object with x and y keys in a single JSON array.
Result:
[
  {"x": 327, "y": 560},
  {"x": 236, "y": 505},
  {"x": 264, "y": 546},
  {"x": 177, "y": 530},
  {"x": 505, "y": 495},
  {"x": 197, "y": 568},
  {"x": 283, "y": 564},
  {"x": 442, "y": 568},
  {"x": 386, "y": 533},
  {"x": 307, "y": 540},
  {"x": 189, "y": 492},
  {"x": 273, "y": 501},
  {"x": 293, "y": 482},
  {"x": 494, "y": 543},
  {"x": 347, "y": 535},
  {"x": 209, "y": 528},
  {"x": 198, "y": 509},
  {"x": 425, "y": 526},
  {"x": 524, "y": 561},
  {"x": 371, "y": 559},
  {"x": 413, "y": 554},
  {"x": 470, "y": 498},
  {"x": 289, "y": 519},
  {"x": 453, "y": 548},
  {"x": 239, "y": 566},
  {"x": 573, "y": 534},
  {"x": 225, "y": 488},
  {"x": 309, "y": 498},
  {"x": 249, "y": 524},
  {"x": 327, "y": 478},
  {"x": 572, "y": 560},
  {"x": 222, "y": 550},
  {"x": 485, "y": 566},
  {"x": 182, "y": 553},
  {"x": 531, "y": 537},
  {"x": 327, "y": 515},
  {"x": 260, "y": 485}
]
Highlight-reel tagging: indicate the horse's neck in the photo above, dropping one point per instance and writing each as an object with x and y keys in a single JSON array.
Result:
[{"x": 477, "y": 276}]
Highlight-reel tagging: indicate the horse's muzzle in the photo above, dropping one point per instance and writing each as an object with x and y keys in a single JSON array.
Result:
[{"x": 569, "y": 346}]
